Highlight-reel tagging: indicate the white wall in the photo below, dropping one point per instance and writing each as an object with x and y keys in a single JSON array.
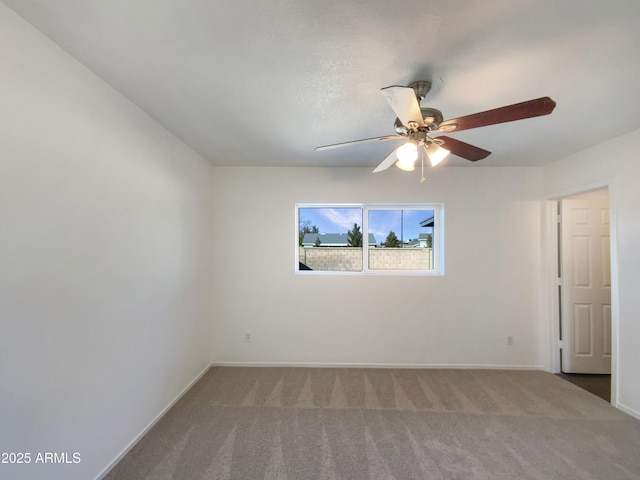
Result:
[
  {"x": 104, "y": 271},
  {"x": 615, "y": 163},
  {"x": 491, "y": 287}
]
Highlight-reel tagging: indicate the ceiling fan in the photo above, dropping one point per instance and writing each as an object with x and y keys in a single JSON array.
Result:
[{"x": 416, "y": 124}]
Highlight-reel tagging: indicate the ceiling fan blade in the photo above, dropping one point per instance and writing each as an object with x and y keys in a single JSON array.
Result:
[
  {"x": 510, "y": 113},
  {"x": 405, "y": 104},
  {"x": 464, "y": 150},
  {"x": 364, "y": 140},
  {"x": 387, "y": 162}
]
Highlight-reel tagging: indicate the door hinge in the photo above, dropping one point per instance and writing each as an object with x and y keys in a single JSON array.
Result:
[
  {"x": 559, "y": 281},
  {"x": 559, "y": 218},
  {"x": 560, "y": 344}
]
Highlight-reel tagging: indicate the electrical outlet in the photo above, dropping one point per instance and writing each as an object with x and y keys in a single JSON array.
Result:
[
  {"x": 510, "y": 340},
  {"x": 247, "y": 337}
]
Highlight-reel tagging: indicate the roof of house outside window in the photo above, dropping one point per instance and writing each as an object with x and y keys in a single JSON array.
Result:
[
  {"x": 330, "y": 239},
  {"x": 421, "y": 241},
  {"x": 427, "y": 222}
]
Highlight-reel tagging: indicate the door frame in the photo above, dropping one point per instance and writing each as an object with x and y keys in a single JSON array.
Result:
[{"x": 551, "y": 256}]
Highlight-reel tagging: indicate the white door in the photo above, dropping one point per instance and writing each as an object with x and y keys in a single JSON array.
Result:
[{"x": 586, "y": 283}]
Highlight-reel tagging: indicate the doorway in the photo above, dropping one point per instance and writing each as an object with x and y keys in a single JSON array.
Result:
[
  {"x": 598, "y": 385},
  {"x": 584, "y": 292}
]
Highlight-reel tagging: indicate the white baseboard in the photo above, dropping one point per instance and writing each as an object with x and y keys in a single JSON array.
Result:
[
  {"x": 144, "y": 431},
  {"x": 628, "y": 410},
  {"x": 379, "y": 365}
]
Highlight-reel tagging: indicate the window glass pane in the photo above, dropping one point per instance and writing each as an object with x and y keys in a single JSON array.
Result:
[
  {"x": 404, "y": 239},
  {"x": 330, "y": 239}
]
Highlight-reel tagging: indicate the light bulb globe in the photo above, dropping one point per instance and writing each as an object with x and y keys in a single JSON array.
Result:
[
  {"x": 436, "y": 153},
  {"x": 407, "y": 153}
]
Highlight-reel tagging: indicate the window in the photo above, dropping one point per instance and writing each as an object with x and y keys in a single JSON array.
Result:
[{"x": 369, "y": 239}]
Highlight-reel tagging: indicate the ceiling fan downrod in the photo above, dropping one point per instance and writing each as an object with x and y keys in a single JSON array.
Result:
[{"x": 421, "y": 88}]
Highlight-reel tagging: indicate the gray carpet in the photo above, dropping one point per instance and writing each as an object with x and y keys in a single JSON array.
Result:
[{"x": 327, "y": 423}]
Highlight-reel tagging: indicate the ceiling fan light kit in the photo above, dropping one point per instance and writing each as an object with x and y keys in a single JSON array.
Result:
[
  {"x": 416, "y": 124},
  {"x": 436, "y": 153},
  {"x": 407, "y": 155}
]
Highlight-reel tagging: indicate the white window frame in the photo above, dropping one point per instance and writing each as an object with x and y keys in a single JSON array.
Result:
[{"x": 437, "y": 240}]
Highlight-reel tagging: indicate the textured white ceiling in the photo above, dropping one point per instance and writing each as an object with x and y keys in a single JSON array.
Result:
[{"x": 264, "y": 83}]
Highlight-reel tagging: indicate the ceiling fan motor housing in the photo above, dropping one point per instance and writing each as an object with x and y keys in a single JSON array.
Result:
[{"x": 432, "y": 119}]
